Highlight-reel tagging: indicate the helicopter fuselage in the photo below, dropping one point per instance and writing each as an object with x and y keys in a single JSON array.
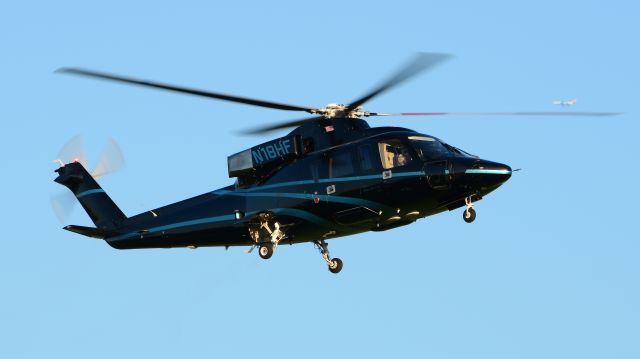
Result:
[{"x": 373, "y": 180}]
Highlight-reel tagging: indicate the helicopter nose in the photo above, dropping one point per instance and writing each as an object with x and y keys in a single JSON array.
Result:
[{"x": 482, "y": 174}]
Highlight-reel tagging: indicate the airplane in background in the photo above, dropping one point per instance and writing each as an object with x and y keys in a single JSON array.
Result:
[{"x": 565, "y": 102}]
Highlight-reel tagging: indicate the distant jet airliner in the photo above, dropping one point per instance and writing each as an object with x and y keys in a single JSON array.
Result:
[{"x": 565, "y": 102}]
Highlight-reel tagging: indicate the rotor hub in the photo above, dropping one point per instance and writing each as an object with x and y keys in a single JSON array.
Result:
[{"x": 335, "y": 110}]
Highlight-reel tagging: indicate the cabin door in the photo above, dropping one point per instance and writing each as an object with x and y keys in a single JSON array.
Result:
[{"x": 438, "y": 174}]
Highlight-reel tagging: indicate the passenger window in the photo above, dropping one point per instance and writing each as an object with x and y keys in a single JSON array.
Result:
[
  {"x": 293, "y": 172},
  {"x": 315, "y": 164},
  {"x": 340, "y": 164},
  {"x": 365, "y": 157},
  {"x": 394, "y": 153}
]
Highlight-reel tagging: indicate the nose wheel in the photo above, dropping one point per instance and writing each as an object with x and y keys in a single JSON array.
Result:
[
  {"x": 334, "y": 264},
  {"x": 469, "y": 214}
]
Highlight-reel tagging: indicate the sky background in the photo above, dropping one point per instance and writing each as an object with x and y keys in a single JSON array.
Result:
[{"x": 549, "y": 269}]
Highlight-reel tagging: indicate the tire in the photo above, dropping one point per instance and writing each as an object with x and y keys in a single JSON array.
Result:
[
  {"x": 469, "y": 215},
  {"x": 335, "y": 266},
  {"x": 265, "y": 251}
]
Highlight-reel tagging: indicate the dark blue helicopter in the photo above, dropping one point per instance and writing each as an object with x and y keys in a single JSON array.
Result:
[{"x": 332, "y": 176}]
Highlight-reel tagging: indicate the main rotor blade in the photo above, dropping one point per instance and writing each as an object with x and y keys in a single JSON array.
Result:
[
  {"x": 566, "y": 114},
  {"x": 292, "y": 123},
  {"x": 191, "y": 91},
  {"x": 421, "y": 62}
]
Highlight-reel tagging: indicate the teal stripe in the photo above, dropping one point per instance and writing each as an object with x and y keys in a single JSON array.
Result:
[
  {"x": 251, "y": 192},
  {"x": 193, "y": 222},
  {"x": 348, "y": 179},
  {"x": 492, "y": 172},
  {"x": 276, "y": 185},
  {"x": 310, "y": 196},
  {"x": 324, "y": 180},
  {"x": 408, "y": 174},
  {"x": 298, "y": 213},
  {"x": 91, "y": 191},
  {"x": 308, "y": 216}
]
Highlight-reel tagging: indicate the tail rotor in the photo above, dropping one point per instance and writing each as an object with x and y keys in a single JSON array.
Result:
[{"x": 111, "y": 160}]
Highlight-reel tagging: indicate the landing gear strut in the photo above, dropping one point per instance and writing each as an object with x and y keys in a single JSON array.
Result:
[
  {"x": 335, "y": 264},
  {"x": 264, "y": 236},
  {"x": 469, "y": 214}
]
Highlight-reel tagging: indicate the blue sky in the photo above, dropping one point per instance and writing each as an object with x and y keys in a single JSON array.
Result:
[{"x": 549, "y": 268}]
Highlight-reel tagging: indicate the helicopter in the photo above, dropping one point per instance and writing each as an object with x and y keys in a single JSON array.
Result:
[{"x": 331, "y": 176}]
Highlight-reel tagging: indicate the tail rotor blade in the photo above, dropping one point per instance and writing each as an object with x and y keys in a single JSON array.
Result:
[
  {"x": 73, "y": 151},
  {"x": 62, "y": 205},
  {"x": 111, "y": 160}
]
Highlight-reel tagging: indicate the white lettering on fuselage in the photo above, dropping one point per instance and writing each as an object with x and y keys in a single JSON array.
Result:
[{"x": 270, "y": 152}]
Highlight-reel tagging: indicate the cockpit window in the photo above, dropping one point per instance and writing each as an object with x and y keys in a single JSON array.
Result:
[
  {"x": 394, "y": 153},
  {"x": 429, "y": 148}
]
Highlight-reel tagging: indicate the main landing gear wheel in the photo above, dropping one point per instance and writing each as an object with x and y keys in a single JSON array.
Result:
[
  {"x": 469, "y": 215},
  {"x": 334, "y": 264},
  {"x": 265, "y": 251}
]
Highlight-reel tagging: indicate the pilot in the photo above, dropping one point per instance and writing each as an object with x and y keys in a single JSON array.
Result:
[{"x": 403, "y": 157}]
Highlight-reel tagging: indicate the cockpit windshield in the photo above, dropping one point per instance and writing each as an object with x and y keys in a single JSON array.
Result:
[{"x": 430, "y": 148}]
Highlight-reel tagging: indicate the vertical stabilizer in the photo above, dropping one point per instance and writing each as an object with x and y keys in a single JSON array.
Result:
[{"x": 98, "y": 205}]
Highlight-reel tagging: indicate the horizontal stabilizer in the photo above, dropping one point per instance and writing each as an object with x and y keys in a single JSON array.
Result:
[{"x": 91, "y": 232}]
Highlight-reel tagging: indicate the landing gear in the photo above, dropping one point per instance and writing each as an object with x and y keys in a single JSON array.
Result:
[
  {"x": 266, "y": 233},
  {"x": 469, "y": 214},
  {"x": 334, "y": 264},
  {"x": 265, "y": 251}
]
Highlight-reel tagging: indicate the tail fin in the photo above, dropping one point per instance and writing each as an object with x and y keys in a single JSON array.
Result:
[{"x": 102, "y": 210}]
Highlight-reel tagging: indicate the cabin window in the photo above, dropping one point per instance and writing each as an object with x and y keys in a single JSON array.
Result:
[
  {"x": 340, "y": 164},
  {"x": 295, "y": 171},
  {"x": 365, "y": 157},
  {"x": 394, "y": 153},
  {"x": 315, "y": 165}
]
